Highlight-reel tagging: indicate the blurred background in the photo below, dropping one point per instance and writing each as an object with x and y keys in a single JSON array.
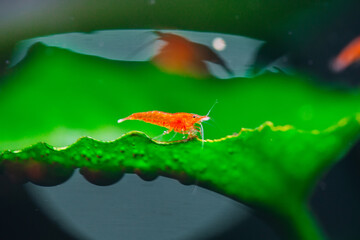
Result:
[{"x": 61, "y": 51}]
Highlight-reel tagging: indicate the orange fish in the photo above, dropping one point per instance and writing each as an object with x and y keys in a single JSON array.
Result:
[
  {"x": 184, "y": 57},
  {"x": 349, "y": 55}
]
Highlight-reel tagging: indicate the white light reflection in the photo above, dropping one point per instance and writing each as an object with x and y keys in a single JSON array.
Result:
[{"x": 219, "y": 44}]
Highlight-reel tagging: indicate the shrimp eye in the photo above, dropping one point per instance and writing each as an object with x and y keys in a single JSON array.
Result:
[{"x": 194, "y": 116}]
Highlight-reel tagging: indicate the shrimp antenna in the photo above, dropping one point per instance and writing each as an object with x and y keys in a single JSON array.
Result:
[{"x": 216, "y": 101}]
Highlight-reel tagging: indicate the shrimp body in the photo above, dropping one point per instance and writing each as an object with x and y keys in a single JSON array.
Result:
[
  {"x": 349, "y": 55},
  {"x": 183, "y": 123}
]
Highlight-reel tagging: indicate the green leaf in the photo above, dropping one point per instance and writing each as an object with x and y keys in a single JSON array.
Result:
[
  {"x": 271, "y": 168},
  {"x": 57, "y": 96}
]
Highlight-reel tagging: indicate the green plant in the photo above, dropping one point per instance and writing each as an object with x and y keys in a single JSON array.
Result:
[{"x": 282, "y": 131}]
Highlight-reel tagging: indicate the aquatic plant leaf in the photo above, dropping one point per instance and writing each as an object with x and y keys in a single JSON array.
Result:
[
  {"x": 273, "y": 168},
  {"x": 57, "y": 96}
]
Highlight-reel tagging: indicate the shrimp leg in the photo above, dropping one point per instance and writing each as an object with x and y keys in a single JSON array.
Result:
[
  {"x": 164, "y": 133},
  {"x": 173, "y": 136}
]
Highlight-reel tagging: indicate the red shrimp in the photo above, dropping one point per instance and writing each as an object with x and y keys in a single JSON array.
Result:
[
  {"x": 349, "y": 55},
  {"x": 183, "y": 123}
]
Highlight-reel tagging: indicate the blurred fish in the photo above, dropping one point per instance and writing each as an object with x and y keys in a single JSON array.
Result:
[
  {"x": 184, "y": 57},
  {"x": 349, "y": 55}
]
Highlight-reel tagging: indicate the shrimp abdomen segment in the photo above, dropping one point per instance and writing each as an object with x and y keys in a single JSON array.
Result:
[{"x": 154, "y": 117}]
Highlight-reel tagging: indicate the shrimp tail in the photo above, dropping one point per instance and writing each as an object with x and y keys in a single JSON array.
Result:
[
  {"x": 122, "y": 119},
  {"x": 134, "y": 116}
]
